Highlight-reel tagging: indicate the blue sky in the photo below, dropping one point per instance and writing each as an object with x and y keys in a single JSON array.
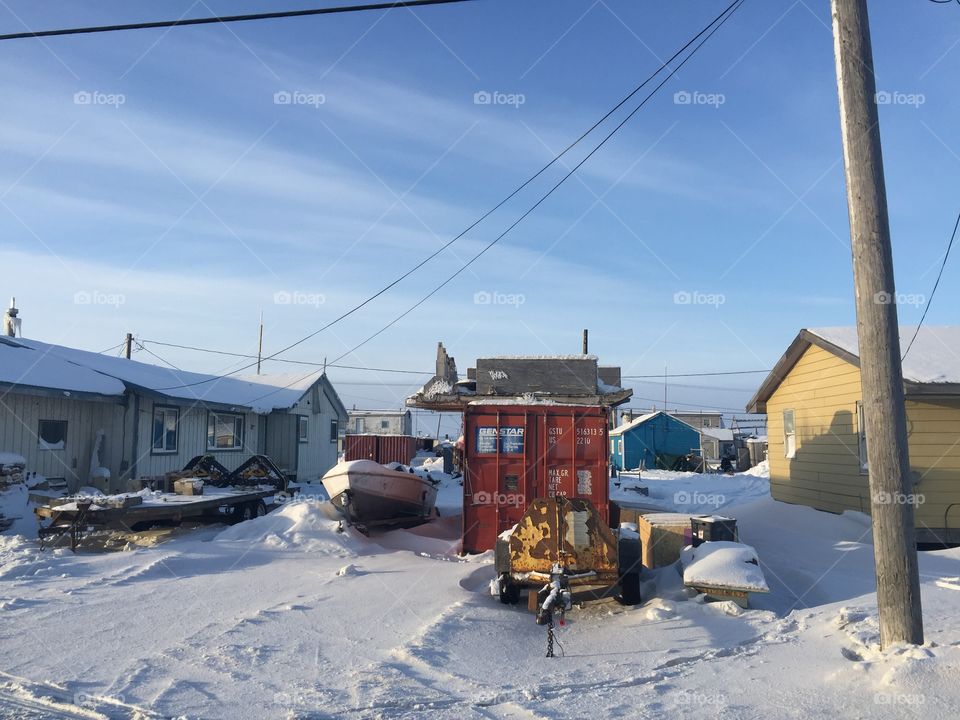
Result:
[{"x": 183, "y": 199}]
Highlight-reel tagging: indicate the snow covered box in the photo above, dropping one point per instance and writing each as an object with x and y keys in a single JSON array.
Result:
[
  {"x": 662, "y": 537},
  {"x": 723, "y": 571}
]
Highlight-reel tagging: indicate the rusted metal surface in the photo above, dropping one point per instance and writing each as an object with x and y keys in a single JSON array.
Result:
[
  {"x": 381, "y": 449},
  {"x": 515, "y": 454},
  {"x": 567, "y": 532}
]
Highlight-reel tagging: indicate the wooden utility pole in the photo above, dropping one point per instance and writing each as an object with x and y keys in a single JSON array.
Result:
[
  {"x": 894, "y": 543},
  {"x": 128, "y": 346}
]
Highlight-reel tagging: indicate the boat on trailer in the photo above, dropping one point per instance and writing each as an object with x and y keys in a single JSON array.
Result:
[{"x": 367, "y": 493}]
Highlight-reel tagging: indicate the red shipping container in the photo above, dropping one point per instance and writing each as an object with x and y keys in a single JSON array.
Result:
[
  {"x": 517, "y": 453},
  {"x": 381, "y": 449}
]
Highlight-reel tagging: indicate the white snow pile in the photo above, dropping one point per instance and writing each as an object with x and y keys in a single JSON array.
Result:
[
  {"x": 761, "y": 469},
  {"x": 9, "y": 458},
  {"x": 723, "y": 564},
  {"x": 304, "y": 525},
  {"x": 691, "y": 493}
]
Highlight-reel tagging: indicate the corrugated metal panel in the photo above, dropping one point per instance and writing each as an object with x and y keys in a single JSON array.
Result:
[
  {"x": 518, "y": 453},
  {"x": 383, "y": 449},
  {"x": 20, "y": 417}
]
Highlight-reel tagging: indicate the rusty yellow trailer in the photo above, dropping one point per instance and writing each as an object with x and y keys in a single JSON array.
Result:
[{"x": 564, "y": 543}]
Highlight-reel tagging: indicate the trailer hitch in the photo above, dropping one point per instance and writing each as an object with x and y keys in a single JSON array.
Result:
[{"x": 555, "y": 596}]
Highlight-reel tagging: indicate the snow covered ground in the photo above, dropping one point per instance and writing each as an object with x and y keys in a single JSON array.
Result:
[{"x": 284, "y": 617}]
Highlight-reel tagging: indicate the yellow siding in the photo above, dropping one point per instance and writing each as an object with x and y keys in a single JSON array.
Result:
[{"x": 823, "y": 391}]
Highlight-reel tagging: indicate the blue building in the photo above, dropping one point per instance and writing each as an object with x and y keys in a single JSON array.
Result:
[{"x": 651, "y": 441}]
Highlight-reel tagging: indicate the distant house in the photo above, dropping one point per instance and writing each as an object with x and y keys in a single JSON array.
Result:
[
  {"x": 717, "y": 444},
  {"x": 652, "y": 440},
  {"x": 379, "y": 422},
  {"x": 54, "y": 401},
  {"x": 700, "y": 419},
  {"x": 817, "y": 447}
]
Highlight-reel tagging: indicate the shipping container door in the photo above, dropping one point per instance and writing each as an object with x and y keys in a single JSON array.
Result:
[{"x": 496, "y": 479}]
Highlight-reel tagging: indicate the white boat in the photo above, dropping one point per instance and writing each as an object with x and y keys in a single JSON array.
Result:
[{"x": 366, "y": 492}]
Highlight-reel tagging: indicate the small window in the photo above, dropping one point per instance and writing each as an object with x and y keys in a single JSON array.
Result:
[
  {"x": 334, "y": 430},
  {"x": 358, "y": 426},
  {"x": 789, "y": 434},
  {"x": 303, "y": 428},
  {"x": 224, "y": 431},
  {"x": 52, "y": 434},
  {"x": 384, "y": 424},
  {"x": 166, "y": 421},
  {"x": 862, "y": 437}
]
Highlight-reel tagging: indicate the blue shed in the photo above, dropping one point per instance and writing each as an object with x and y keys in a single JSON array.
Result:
[{"x": 650, "y": 441}]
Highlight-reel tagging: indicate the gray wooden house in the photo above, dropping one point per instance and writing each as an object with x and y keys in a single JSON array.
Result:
[{"x": 55, "y": 402}]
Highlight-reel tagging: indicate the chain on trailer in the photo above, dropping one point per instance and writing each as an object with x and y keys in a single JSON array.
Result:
[{"x": 555, "y": 596}]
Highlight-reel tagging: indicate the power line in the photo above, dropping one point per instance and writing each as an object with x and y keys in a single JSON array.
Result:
[
  {"x": 224, "y": 19},
  {"x": 696, "y": 374},
  {"x": 720, "y": 18},
  {"x": 284, "y": 360},
  {"x": 690, "y": 405},
  {"x": 935, "y": 286},
  {"x": 716, "y": 24}
]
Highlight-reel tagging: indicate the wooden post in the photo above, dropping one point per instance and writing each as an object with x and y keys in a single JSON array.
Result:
[
  {"x": 895, "y": 550},
  {"x": 129, "y": 345},
  {"x": 260, "y": 344}
]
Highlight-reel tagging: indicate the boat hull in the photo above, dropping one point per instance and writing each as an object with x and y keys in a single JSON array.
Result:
[{"x": 366, "y": 492}]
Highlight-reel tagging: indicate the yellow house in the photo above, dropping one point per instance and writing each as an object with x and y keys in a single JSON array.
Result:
[{"x": 817, "y": 448}]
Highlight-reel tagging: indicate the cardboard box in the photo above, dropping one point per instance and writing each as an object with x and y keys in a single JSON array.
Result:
[
  {"x": 188, "y": 486},
  {"x": 662, "y": 537}
]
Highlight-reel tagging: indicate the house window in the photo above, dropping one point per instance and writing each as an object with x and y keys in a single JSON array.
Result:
[
  {"x": 789, "y": 434},
  {"x": 358, "y": 426},
  {"x": 52, "y": 434},
  {"x": 334, "y": 430},
  {"x": 384, "y": 424},
  {"x": 165, "y": 425},
  {"x": 303, "y": 428},
  {"x": 862, "y": 437},
  {"x": 224, "y": 431}
]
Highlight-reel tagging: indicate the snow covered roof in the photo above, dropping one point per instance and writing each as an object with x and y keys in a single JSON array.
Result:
[
  {"x": 934, "y": 357},
  {"x": 645, "y": 418},
  {"x": 932, "y": 365},
  {"x": 722, "y": 434},
  {"x": 22, "y": 365},
  {"x": 40, "y": 365}
]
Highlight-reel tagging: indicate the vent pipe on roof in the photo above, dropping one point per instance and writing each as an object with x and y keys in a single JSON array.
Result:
[
  {"x": 11, "y": 323},
  {"x": 586, "y": 344}
]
